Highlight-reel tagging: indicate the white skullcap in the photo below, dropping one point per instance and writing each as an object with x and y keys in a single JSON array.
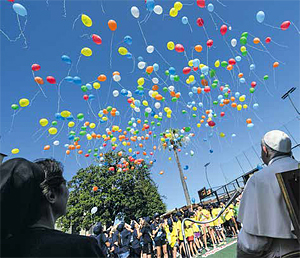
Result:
[{"x": 278, "y": 141}]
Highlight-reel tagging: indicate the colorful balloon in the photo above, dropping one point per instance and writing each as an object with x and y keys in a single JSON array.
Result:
[
  {"x": 260, "y": 16},
  {"x": 86, "y": 51},
  {"x": 223, "y": 30},
  {"x": 112, "y": 25},
  {"x": 20, "y": 9},
  {"x": 86, "y": 20},
  {"x": 24, "y": 102},
  {"x": 97, "y": 39},
  {"x": 285, "y": 25}
]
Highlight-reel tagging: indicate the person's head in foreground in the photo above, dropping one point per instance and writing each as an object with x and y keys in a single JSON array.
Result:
[{"x": 274, "y": 144}]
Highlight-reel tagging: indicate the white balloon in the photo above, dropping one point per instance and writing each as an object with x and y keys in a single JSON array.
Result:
[
  {"x": 155, "y": 80},
  {"x": 56, "y": 143},
  {"x": 134, "y": 124},
  {"x": 136, "y": 109},
  {"x": 148, "y": 110},
  {"x": 117, "y": 78},
  {"x": 233, "y": 42},
  {"x": 94, "y": 210},
  {"x": 230, "y": 28},
  {"x": 150, "y": 49},
  {"x": 141, "y": 65},
  {"x": 135, "y": 12},
  {"x": 171, "y": 88},
  {"x": 66, "y": 145},
  {"x": 210, "y": 115},
  {"x": 115, "y": 93},
  {"x": 132, "y": 130},
  {"x": 150, "y": 93},
  {"x": 157, "y": 105},
  {"x": 158, "y": 9},
  {"x": 139, "y": 138},
  {"x": 129, "y": 94},
  {"x": 160, "y": 114}
]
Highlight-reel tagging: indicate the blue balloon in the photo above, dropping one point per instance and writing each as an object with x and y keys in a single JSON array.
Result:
[
  {"x": 255, "y": 106},
  {"x": 91, "y": 97},
  {"x": 211, "y": 151},
  {"x": 238, "y": 58},
  {"x": 193, "y": 200},
  {"x": 128, "y": 40},
  {"x": 220, "y": 97},
  {"x": 185, "y": 20},
  {"x": 260, "y": 16},
  {"x": 186, "y": 167},
  {"x": 191, "y": 94},
  {"x": 129, "y": 55},
  {"x": 242, "y": 80},
  {"x": 204, "y": 70},
  {"x": 132, "y": 119},
  {"x": 204, "y": 139},
  {"x": 252, "y": 67},
  {"x": 194, "y": 89},
  {"x": 196, "y": 62},
  {"x": 124, "y": 92},
  {"x": 69, "y": 79},
  {"x": 137, "y": 103},
  {"x": 71, "y": 137},
  {"x": 172, "y": 70},
  {"x": 140, "y": 59},
  {"x": 259, "y": 166},
  {"x": 70, "y": 118},
  {"x": 150, "y": 5},
  {"x": 250, "y": 125},
  {"x": 193, "y": 82},
  {"x": 237, "y": 94},
  {"x": 77, "y": 80},
  {"x": 117, "y": 113},
  {"x": 89, "y": 86},
  {"x": 172, "y": 77},
  {"x": 20, "y": 9},
  {"x": 225, "y": 89},
  {"x": 200, "y": 104},
  {"x": 155, "y": 67},
  {"x": 66, "y": 59},
  {"x": 233, "y": 135},
  {"x": 210, "y": 7}
]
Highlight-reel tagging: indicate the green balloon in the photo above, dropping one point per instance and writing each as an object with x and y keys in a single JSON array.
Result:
[
  {"x": 216, "y": 81},
  {"x": 212, "y": 73},
  {"x": 109, "y": 108},
  {"x": 54, "y": 123},
  {"x": 83, "y": 128},
  {"x": 72, "y": 133},
  {"x": 183, "y": 111},
  {"x": 174, "y": 99},
  {"x": 187, "y": 129},
  {"x": 95, "y": 154},
  {"x": 214, "y": 85},
  {"x": 215, "y": 102},
  {"x": 14, "y": 106},
  {"x": 84, "y": 88},
  {"x": 76, "y": 139},
  {"x": 266, "y": 77},
  {"x": 243, "y": 41},
  {"x": 245, "y": 34},
  {"x": 146, "y": 114},
  {"x": 251, "y": 90},
  {"x": 140, "y": 87},
  {"x": 176, "y": 78},
  {"x": 154, "y": 135},
  {"x": 130, "y": 123},
  {"x": 165, "y": 89},
  {"x": 96, "y": 149},
  {"x": 82, "y": 133},
  {"x": 128, "y": 129},
  {"x": 224, "y": 64},
  {"x": 214, "y": 115},
  {"x": 161, "y": 134},
  {"x": 226, "y": 85},
  {"x": 152, "y": 123},
  {"x": 136, "y": 131},
  {"x": 80, "y": 116},
  {"x": 244, "y": 53},
  {"x": 202, "y": 76},
  {"x": 89, "y": 151},
  {"x": 159, "y": 118},
  {"x": 146, "y": 121},
  {"x": 163, "y": 99},
  {"x": 194, "y": 115},
  {"x": 158, "y": 123},
  {"x": 167, "y": 72},
  {"x": 226, "y": 94}
]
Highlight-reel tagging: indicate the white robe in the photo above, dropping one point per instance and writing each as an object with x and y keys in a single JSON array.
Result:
[{"x": 263, "y": 211}]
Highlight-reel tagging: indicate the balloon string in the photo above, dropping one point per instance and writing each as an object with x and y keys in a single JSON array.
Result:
[
  {"x": 78, "y": 63},
  {"x": 85, "y": 35},
  {"x": 39, "y": 86},
  {"x": 257, "y": 116},
  {"x": 144, "y": 18},
  {"x": 21, "y": 31},
  {"x": 279, "y": 44},
  {"x": 133, "y": 66},
  {"x": 271, "y": 54},
  {"x": 40, "y": 136},
  {"x": 257, "y": 48},
  {"x": 205, "y": 32},
  {"x": 12, "y": 121},
  {"x": 190, "y": 27},
  {"x": 110, "y": 54},
  {"x": 221, "y": 3},
  {"x": 148, "y": 17},
  {"x": 102, "y": 6},
  {"x": 295, "y": 27},
  {"x": 162, "y": 57},
  {"x": 36, "y": 132},
  {"x": 213, "y": 21},
  {"x": 65, "y": 9},
  {"x": 221, "y": 19},
  {"x": 142, "y": 33},
  {"x": 35, "y": 95},
  {"x": 59, "y": 95},
  {"x": 59, "y": 131},
  {"x": 78, "y": 17},
  {"x": 108, "y": 92},
  {"x": 268, "y": 25},
  {"x": 264, "y": 85}
]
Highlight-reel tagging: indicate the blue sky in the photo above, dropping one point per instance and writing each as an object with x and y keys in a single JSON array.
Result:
[{"x": 50, "y": 35}]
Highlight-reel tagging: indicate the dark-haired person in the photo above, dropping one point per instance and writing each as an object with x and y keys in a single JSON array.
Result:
[
  {"x": 267, "y": 228},
  {"x": 121, "y": 240},
  {"x": 135, "y": 250},
  {"x": 33, "y": 197},
  {"x": 147, "y": 246},
  {"x": 101, "y": 238},
  {"x": 177, "y": 218},
  {"x": 159, "y": 236}
]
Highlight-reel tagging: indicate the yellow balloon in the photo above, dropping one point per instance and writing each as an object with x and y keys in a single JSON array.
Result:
[
  {"x": 89, "y": 137},
  {"x": 191, "y": 78},
  {"x": 201, "y": 66},
  {"x": 43, "y": 122},
  {"x": 122, "y": 51},
  {"x": 96, "y": 85},
  {"x": 132, "y": 105},
  {"x": 71, "y": 124},
  {"x": 104, "y": 118},
  {"x": 155, "y": 116},
  {"x": 124, "y": 143},
  {"x": 141, "y": 81},
  {"x": 168, "y": 116},
  {"x": 166, "y": 109},
  {"x": 113, "y": 139},
  {"x": 52, "y": 130},
  {"x": 187, "y": 81},
  {"x": 178, "y": 6},
  {"x": 103, "y": 136},
  {"x": 65, "y": 113},
  {"x": 92, "y": 125},
  {"x": 239, "y": 107},
  {"x": 222, "y": 134},
  {"x": 217, "y": 63},
  {"x": 245, "y": 106},
  {"x": 130, "y": 150},
  {"x": 86, "y": 51},
  {"x": 198, "y": 125},
  {"x": 170, "y": 45},
  {"x": 24, "y": 102},
  {"x": 243, "y": 49},
  {"x": 15, "y": 151},
  {"x": 87, "y": 21},
  {"x": 116, "y": 128},
  {"x": 242, "y": 98},
  {"x": 195, "y": 108},
  {"x": 154, "y": 94},
  {"x": 145, "y": 103},
  {"x": 170, "y": 158},
  {"x": 190, "y": 63},
  {"x": 173, "y": 12}
]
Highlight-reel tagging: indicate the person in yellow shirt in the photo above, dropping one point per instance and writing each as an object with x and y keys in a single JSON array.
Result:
[
  {"x": 197, "y": 233},
  {"x": 189, "y": 234},
  {"x": 218, "y": 223},
  {"x": 177, "y": 221},
  {"x": 229, "y": 214}
]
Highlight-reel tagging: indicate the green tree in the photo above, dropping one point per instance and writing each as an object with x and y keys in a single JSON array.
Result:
[{"x": 121, "y": 194}]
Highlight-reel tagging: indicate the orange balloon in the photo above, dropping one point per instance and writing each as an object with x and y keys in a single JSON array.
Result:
[
  {"x": 276, "y": 64},
  {"x": 256, "y": 40},
  {"x": 222, "y": 104},
  {"x": 87, "y": 123},
  {"x": 47, "y": 147},
  {"x": 232, "y": 99},
  {"x": 177, "y": 95},
  {"x": 172, "y": 93},
  {"x": 39, "y": 80},
  {"x": 78, "y": 147},
  {"x": 116, "y": 73},
  {"x": 102, "y": 78},
  {"x": 226, "y": 101},
  {"x": 80, "y": 152},
  {"x": 204, "y": 82},
  {"x": 207, "y": 112},
  {"x": 139, "y": 121},
  {"x": 233, "y": 105},
  {"x": 154, "y": 147},
  {"x": 241, "y": 75},
  {"x": 229, "y": 67},
  {"x": 154, "y": 87},
  {"x": 112, "y": 25},
  {"x": 149, "y": 69},
  {"x": 105, "y": 111},
  {"x": 198, "y": 48},
  {"x": 95, "y": 188},
  {"x": 158, "y": 97},
  {"x": 68, "y": 152},
  {"x": 249, "y": 121},
  {"x": 98, "y": 136},
  {"x": 161, "y": 172},
  {"x": 185, "y": 178},
  {"x": 202, "y": 121},
  {"x": 199, "y": 89},
  {"x": 203, "y": 116},
  {"x": 114, "y": 110}
]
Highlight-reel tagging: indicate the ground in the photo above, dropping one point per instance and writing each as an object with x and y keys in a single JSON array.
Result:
[{"x": 227, "y": 251}]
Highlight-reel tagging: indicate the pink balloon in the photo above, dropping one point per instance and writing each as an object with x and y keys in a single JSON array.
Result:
[
  {"x": 97, "y": 39},
  {"x": 200, "y": 22},
  {"x": 51, "y": 79},
  {"x": 223, "y": 29},
  {"x": 179, "y": 48},
  {"x": 285, "y": 25}
]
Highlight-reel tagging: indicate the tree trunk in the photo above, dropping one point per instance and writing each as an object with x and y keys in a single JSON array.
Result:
[{"x": 184, "y": 186}]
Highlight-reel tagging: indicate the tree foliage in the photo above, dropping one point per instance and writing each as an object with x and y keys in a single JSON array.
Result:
[{"x": 121, "y": 194}]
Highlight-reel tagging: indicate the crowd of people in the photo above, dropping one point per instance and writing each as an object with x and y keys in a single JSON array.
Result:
[{"x": 162, "y": 236}]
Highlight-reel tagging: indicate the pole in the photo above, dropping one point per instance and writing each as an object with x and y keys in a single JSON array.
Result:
[
  {"x": 184, "y": 186},
  {"x": 293, "y": 104}
]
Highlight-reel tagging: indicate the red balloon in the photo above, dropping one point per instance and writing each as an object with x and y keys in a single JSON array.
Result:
[
  {"x": 285, "y": 25},
  {"x": 232, "y": 61},
  {"x": 221, "y": 88},
  {"x": 207, "y": 89},
  {"x": 85, "y": 97},
  {"x": 209, "y": 43},
  {"x": 11, "y": 1},
  {"x": 186, "y": 70},
  {"x": 222, "y": 114},
  {"x": 51, "y": 79},
  {"x": 268, "y": 39},
  {"x": 87, "y": 155},
  {"x": 211, "y": 123},
  {"x": 253, "y": 84},
  {"x": 137, "y": 153},
  {"x": 179, "y": 48},
  {"x": 223, "y": 29},
  {"x": 129, "y": 100},
  {"x": 35, "y": 67},
  {"x": 200, "y": 22},
  {"x": 97, "y": 39},
  {"x": 201, "y": 3},
  {"x": 195, "y": 68}
]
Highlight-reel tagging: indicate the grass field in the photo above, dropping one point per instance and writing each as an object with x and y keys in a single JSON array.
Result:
[{"x": 227, "y": 251}]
